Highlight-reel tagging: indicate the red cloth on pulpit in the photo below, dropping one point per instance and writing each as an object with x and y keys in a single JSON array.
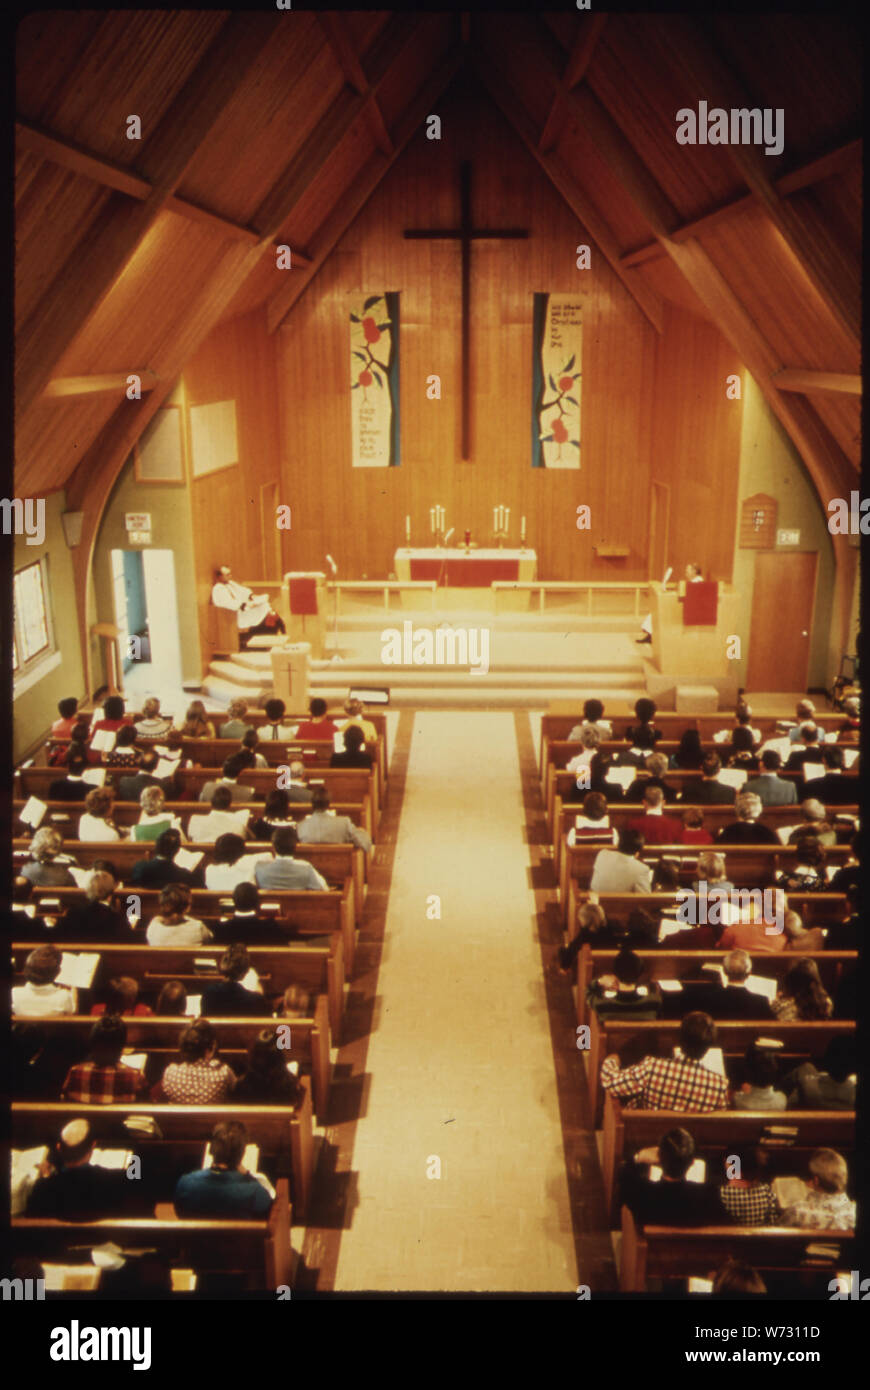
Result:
[
  {"x": 303, "y": 597},
  {"x": 701, "y": 604}
]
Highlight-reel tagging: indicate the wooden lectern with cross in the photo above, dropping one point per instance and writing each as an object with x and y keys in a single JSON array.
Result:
[{"x": 465, "y": 233}]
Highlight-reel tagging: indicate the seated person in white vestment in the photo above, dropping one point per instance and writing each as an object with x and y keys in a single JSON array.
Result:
[{"x": 254, "y": 612}]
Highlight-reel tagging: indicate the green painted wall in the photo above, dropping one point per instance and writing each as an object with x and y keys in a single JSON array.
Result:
[
  {"x": 770, "y": 463},
  {"x": 35, "y": 709}
]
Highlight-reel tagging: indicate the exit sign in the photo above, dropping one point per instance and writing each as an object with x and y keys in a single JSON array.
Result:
[{"x": 788, "y": 537}]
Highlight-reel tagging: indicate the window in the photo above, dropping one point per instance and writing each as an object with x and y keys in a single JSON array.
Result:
[{"x": 32, "y": 638}]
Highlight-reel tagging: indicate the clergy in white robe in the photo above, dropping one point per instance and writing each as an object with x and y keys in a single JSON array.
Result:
[
  {"x": 693, "y": 576},
  {"x": 251, "y": 609}
]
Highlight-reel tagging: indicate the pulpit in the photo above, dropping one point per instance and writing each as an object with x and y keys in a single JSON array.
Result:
[
  {"x": 290, "y": 673},
  {"x": 305, "y": 604},
  {"x": 690, "y": 641}
]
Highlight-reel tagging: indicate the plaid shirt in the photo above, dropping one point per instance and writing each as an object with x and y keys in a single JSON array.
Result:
[
  {"x": 665, "y": 1083},
  {"x": 750, "y": 1203},
  {"x": 89, "y": 1084}
]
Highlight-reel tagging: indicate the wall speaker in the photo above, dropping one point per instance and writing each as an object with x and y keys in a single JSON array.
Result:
[{"x": 72, "y": 527}]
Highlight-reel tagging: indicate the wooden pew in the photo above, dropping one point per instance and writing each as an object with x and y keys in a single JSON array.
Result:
[
  {"x": 260, "y": 1249},
  {"x": 343, "y": 784},
  {"x": 558, "y": 726},
  {"x": 715, "y": 819},
  {"x": 276, "y": 1129},
  {"x": 560, "y": 783},
  {"x": 309, "y": 1036},
  {"x": 658, "y": 1037},
  {"x": 65, "y": 814},
  {"x": 748, "y": 866},
  {"x": 316, "y": 914},
  {"x": 816, "y": 909},
  {"x": 338, "y": 864},
  {"x": 724, "y": 1131},
  {"x": 676, "y": 965},
  {"x": 673, "y": 1252},
  {"x": 319, "y": 970}
]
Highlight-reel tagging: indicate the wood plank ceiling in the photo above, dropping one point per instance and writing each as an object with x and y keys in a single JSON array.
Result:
[{"x": 265, "y": 129}]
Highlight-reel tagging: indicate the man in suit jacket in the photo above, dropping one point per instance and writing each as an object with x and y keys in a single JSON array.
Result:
[
  {"x": 248, "y": 925},
  {"x": 228, "y": 997},
  {"x": 733, "y": 1000},
  {"x": 773, "y": 789},
  {"x": 75, "y": 1188},
  {"x": 321, "y": 828},
  {"x": 72, "y": 787},
  {"x": 96, "y": 919},
  {"x": 239, "y": 791},
  {"x": 132, "y": 784},
  {"x": 654, "y": 825},
  {"x": 833, "y": 789},
  {"x": 354, "y": 754},
  {"x": 811, "y": 751},
  {"x": 297, "y": 789},
  {"x": 746, "y": 829},
  {"x": 673, "y": 1200},
  {"x": 709, "y": 791},
  {"x": 283, "y": 870},
  {"x": 162, "y": 869}
]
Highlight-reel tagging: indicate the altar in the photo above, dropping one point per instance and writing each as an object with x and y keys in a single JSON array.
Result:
[{"x": 458, "y": 568}]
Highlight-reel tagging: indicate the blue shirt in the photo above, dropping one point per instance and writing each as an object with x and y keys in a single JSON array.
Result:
[{"x": 221, "y": 1192}]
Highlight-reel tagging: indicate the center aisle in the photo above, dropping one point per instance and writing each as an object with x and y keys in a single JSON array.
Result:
[{"x": 460, "y": 1061}]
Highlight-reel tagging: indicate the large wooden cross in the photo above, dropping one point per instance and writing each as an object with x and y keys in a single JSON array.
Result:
[{"x": 465, "y": 233}]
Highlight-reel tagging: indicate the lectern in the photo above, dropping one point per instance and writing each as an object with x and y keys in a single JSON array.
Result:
[
  {"x": 305, "y": 603},
  {"x": 110, "y": 633},
  {"x": 690, "y": 644},
  {"x": 290, "y": 673}
]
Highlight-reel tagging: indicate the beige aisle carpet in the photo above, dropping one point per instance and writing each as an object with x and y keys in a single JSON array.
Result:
[{"x": 460, "y": 1061}]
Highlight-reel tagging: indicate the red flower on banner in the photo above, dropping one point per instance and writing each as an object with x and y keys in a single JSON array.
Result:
[{"x": 371, "y": 334}]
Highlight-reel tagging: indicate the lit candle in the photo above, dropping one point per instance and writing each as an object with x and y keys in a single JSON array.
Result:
[
  {"x": 407, "y": 530},
  {"x": 507, "y": 518},
  {"x": 523, "y": 529},
  {"x": 495, "y": 518},
  {"x": 432, "y": 519}
]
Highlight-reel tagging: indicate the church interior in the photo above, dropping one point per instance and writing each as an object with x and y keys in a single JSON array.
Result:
[{"x": 437, "y": 476}]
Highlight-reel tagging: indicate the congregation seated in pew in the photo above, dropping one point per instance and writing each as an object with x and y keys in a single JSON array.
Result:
[
  {"x": 233, "y": 768},
  {"x": 284, "y": 870},
  {"x": 225, "y": 1188},
  {"x": 354, "y": 754},
  {"x": 172, "y": 926},
  {"x": 324, "y": 827},
  {"x": 155, "y": 818},
  {"x": 40, "y": 996},
  {"x": 229, "y": 997},
  {"x": 747, "y": 829},
  {"x": 199, "y": 1077},
  {"x": 161, "y": 869},
  {"x": 672, "y": 1083},
  {"x": 104, "y": 1079},
  {"x": 620, "y": 870},
  {"x": 230, "y": 864},
  {"x": 620, "y": 994},
  {"x": 220, "y": 820}
]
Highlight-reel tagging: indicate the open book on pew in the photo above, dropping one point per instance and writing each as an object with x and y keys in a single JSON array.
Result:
[
  {"x": 621, "y": 776},
  {"x": 697, "y": 1171},
  {"x": 103, "y": 740},
  {"x": 697, "y": 1285},
  {"x": 77, "y": 969},
  {"x": 733, "y": 776},
  {"x": 111, "y": 1158},
  {"x": 713, "y": 1059},
  {"x": 33, "y": 812},
  {"x": 193, "y": 1007},
  {"x": 813, "y": 770},
  {"x": 756, "y": 984},
  {"x": 71, "y": 1278},
  {"x": 188, "y": 859}
]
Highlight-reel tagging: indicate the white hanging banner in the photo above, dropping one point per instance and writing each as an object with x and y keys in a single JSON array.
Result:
[{"x": 374, "y": 380}]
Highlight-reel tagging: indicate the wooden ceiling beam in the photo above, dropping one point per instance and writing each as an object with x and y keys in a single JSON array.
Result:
[
  {"x": 349, "y": 62},
  {"x": 828, "y": 270},
  {"x": 356, "y": 197},
  {"x": 806, "y": 380},
  {"x": 834, "y": 162},
  {"x": 111, "y": 383},
  {"x": 575, "y": 70},
  {"x": 647, "y": 301},
  {"x": 93, "y": 266}
]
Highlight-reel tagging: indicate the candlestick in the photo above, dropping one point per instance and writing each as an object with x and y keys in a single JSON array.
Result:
[
  {"x": 507, "y": 518},
  {"x": 408, "y": 530},
  {"x": 495, "y": 518},
  {"x": 523, "y": 529},
  {"x": 432, "y": 520}
]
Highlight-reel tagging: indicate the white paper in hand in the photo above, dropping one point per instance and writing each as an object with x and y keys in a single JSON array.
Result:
[
  {"x": 103, "y": 741},
  {"x": 94, "y": 776},
  {"x": 33, "y": 812},
  {"x": 188, "y": 859},
  {"x": 77, "y": 969}
]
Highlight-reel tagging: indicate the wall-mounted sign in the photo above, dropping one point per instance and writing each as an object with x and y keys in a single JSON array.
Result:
[
  {"x": 758, "y": 522},
  {"x": 137, "y": 521},
  {"x": 139, "y": 537},
  {"x": 788, "y": 537}
]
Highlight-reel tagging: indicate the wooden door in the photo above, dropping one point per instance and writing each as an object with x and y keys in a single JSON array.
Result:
[{"x": 783, "y": 601}]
